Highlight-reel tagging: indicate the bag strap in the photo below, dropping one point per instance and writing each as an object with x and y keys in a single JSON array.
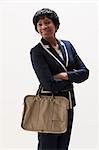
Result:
[{"x": 40, "y": 89}]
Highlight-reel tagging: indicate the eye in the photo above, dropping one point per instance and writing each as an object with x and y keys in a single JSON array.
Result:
[
  {"x": 39, "y": 24},
  {"x": 47, "y": 22}
]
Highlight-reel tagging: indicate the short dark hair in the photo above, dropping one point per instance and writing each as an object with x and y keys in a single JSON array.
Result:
[{"x": 48, "y": 13}]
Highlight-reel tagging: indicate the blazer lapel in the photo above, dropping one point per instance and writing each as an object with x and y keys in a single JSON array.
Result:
[
  {"x": 63, "y": 51},
  {"x": 52, "y": 50}
]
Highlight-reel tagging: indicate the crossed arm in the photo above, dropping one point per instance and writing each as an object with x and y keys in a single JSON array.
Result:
[
  {"x": 79, "y": 74},
  {"x": 62, "y": 76}
]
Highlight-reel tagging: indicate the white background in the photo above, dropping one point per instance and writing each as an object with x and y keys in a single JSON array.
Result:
[{"x": 79, "y": 24}]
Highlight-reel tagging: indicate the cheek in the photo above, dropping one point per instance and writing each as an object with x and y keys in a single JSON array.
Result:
[
  {"x": 53, "y": 29},
  {"x": 38, "y": 30}
]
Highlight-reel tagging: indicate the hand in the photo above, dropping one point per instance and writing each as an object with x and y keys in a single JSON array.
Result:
[{"x": 62, "y": 76}]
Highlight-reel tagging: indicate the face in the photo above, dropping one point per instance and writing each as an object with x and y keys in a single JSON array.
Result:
[{"x": 46, "y": 28}]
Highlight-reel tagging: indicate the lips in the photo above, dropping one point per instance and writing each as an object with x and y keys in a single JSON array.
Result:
[{"x": 44, "y": 32}]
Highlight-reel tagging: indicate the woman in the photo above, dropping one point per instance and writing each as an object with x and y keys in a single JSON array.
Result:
[{"x": 49, "y": 59}]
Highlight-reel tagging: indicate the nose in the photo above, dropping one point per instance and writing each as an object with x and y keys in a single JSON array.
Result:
[{"x": 44, "y": 26}]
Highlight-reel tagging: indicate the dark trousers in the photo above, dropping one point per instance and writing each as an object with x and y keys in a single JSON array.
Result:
[{"x": 48, "y": 141}]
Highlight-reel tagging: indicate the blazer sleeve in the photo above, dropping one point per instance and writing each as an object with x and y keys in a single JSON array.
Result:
[
  {"x": 44, "y": 75},
  {"x": 80, "y": 72}
]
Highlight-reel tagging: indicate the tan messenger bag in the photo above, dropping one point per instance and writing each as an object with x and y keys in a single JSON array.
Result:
[{"x": 46, "y": 114}]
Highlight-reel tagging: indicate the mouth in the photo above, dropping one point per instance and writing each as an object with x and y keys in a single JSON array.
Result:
[{"x": 45, "y": 31}]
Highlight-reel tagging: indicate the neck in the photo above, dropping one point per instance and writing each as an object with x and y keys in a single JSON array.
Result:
[{"x": 52, "y": 41}]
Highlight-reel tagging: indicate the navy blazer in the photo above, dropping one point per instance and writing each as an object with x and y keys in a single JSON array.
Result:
[{"x": 45, "y": 66}]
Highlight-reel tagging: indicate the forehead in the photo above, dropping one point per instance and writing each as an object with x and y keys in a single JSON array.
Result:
[{"x": 43, "y": 18}]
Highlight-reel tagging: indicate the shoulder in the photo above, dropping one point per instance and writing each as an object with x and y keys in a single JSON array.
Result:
[
  {"x": 66, "y": 42},
  {"x": 36, "y": 48},
  {"x": 70, "y": 48}
]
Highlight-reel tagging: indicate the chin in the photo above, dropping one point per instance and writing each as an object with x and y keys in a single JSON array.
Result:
[{"x": 47, "y": 37}]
